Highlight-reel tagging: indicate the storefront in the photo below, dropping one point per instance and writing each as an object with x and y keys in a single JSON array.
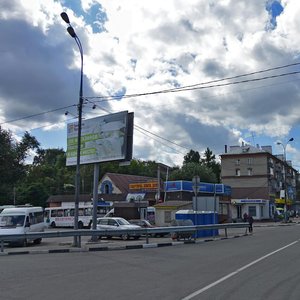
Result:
[{"x": 258, "y": 208}]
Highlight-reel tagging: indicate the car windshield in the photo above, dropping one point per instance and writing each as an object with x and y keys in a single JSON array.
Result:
[
  {"x": 123, "y": 222},
  {"x": 12, "y": 221}
]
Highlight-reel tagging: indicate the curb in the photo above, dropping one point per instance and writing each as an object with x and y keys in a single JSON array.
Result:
[{"x": 116, "y": 248}]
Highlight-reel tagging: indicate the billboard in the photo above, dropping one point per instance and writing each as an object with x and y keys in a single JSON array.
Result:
[{"x": 105, "y": 138}]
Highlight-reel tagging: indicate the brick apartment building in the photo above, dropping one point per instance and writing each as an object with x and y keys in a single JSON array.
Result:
[{"x": 257, "y": 179}]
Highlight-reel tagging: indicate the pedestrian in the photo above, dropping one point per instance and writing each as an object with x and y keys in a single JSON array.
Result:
[
  {"x": 250, "y": 221},
  {"x": 275, "y": 216},
  {"x": 245, "y": 217}
]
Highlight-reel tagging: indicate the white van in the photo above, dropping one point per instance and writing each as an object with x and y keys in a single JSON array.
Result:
[{"x": 21, "y": 220}]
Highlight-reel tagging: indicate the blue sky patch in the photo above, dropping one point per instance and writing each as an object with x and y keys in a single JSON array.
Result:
[
  {"x": 120, "y": 93},
  {"x": 275, "y": 9},
  {"x": 95, "y": 16}
]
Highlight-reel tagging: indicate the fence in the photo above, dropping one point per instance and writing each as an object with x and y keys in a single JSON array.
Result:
[{"x": 148, "y": 232}]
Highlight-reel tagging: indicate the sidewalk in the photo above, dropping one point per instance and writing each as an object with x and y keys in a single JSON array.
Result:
[
  {"x": 65, "y": 245},
  {"x": 60, "y": 245},
  {"x": 292, "y": 221}
]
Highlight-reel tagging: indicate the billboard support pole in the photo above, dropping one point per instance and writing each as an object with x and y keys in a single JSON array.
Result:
[{"x": 95, "y": 198}]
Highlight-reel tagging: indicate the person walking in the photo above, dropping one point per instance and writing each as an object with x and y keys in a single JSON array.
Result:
[
  {"x": 250, "y": 221},
  {"x": 245, "y": 217}
]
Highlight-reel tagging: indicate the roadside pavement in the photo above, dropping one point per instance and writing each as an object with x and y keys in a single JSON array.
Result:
[{"x": 65, "y": 245}]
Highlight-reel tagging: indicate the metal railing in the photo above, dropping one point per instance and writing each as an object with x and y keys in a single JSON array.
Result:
[{"x": 148, "y": 232}]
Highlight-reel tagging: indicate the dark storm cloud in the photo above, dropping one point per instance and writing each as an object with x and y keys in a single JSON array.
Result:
[
  {"x": 34, "y": 75},
  {"x": 202, "y": 135},
  {"x": 213, "y": 68}
]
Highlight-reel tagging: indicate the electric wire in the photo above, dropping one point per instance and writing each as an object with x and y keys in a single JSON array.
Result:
[
  {"x": 179, "y": 89},
  {"x": 192, "y": 87},
  {"x": 144, "y": 131}
]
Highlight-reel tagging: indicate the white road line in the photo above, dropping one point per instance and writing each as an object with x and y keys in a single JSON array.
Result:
[{"x": 196, "y": 293}]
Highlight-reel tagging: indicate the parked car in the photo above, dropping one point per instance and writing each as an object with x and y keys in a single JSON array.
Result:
[
  {"x": 146, "y": 224},
  {"x": 115, "y": 223}
]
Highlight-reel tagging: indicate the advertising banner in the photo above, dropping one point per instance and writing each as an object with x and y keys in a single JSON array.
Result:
[{"x": 102, "y": 139}]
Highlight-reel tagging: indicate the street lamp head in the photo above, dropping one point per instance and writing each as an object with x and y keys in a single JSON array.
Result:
[
  {"x": 278, "y": 143},
  {"x": 71, "y": 32},
  {"x": 65, "y": 17},
  {"x": 291, "y": 139}
]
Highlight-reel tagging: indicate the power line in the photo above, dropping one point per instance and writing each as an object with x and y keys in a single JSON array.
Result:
[
  {"x": 138, "y": 127},
  {"x": 186, "y": 88},
  {"x": 204, "y": 85},
  {"x": 160, "y": 141},
  {"x": 38, "y": 114},
  {"x": 142, "y": 130},
  {"x": 196, "y": 86}
]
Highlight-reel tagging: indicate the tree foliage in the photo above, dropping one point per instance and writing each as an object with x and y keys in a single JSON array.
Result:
[
  {"x": 49, "y": 175},
  {"x": 189, "y": 170},
  {"x": 207, "y": 162},
  {"x": 210, "y": 161},
  {"x": 191, "y": 157},
  {"x": 49, "y": 167},
  {"x": 12, "y": 161}
]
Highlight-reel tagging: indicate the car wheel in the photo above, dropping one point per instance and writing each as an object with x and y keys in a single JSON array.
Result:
[
  {"x": 24, "y": 243},
  {"x": 37, "y": 241},
  {"x": 174, "y": 236},
  {"x": 53, "y": 225},
  {"x": 125, "y": 237},
  {"x": 80, "y": 225}
]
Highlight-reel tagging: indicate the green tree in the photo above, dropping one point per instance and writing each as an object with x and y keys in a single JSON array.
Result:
[
  {"x": 192, "y": 156},
  {"x": 48, "y": 175},
  {"x": 209, "y": 160},
  {"x": 12, "y": 162},
  {"x": 34, "y": 194},
  {"x": 189, "y": 170},
  {"x": 136, "y": 167}
]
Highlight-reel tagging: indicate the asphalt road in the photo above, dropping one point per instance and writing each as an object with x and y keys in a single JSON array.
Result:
[{"x": 265, "y": 265}]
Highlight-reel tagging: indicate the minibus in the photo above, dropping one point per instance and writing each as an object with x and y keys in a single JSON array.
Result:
[
  {"x": 21, "y": 220},
  {"x": 64, "y": 216}
]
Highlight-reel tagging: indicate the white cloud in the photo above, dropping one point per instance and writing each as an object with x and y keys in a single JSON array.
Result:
[{"x": 156, "y": 45}]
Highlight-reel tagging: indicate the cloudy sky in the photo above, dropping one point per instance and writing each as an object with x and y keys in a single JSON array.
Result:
[{"x": 135, "y": 47}]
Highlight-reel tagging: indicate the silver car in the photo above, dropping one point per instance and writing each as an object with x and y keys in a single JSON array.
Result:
[{"x": 116, "y": 223}]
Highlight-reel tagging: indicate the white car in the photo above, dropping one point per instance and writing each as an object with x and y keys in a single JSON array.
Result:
[{"x": 117, "y": 223}]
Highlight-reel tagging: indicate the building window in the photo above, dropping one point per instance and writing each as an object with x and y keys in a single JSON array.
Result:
[
  {"x": 250, "y": 160},
  {"x": 237, "y": 172},
  {"x": 252, "y": 211},
  {"x": 106, "y": 187},
  {"x": 249, "y": 171},
  {"x": 237, "y": 162}
]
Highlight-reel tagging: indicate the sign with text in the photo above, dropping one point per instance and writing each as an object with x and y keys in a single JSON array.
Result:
[
  {"x": 103, "y": 139},
  {"x": 143, "y": 185}
]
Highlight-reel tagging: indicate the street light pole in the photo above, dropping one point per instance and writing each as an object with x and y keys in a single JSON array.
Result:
[
  {"x": 72, "y": 33},
  {"x": 285, "y": 179}
]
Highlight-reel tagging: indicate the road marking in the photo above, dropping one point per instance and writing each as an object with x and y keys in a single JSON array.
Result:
[{"x": 196, "y": 293}]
